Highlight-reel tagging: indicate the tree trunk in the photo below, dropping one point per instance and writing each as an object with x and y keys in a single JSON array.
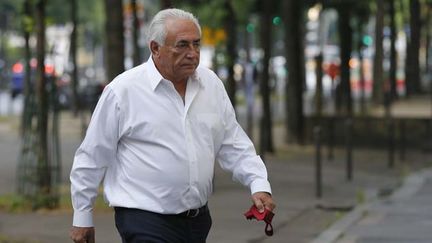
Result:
[
  {"x": 230, "y": 28},
  {"x": 166, "y": 4},
  {"x": 293, "y": 19},
  {"x": 249, "y": 84},
  {"x": 360, "y": 30},
  {"x": 377, "y": 91},
  {"x": 135, "y": 33},
  {"x": 28, "y": 88},
  {"x": 73, "y": 50},
  {"x": 345, "y": 37},
  {"x": 393, "y": 54},
  {"x": 428, "y": 29},
  {"x": 27, "y": 133},
  {"x": 319, "y": 87},
  {"x": 43, "y": 166},
  {"x": 413, "y": 49},
  {"x": 115, "y": 39},
  {"x": 266, "y": 134}
]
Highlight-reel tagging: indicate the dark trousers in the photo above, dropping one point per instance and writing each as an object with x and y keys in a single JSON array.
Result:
[{"x": 139, "y": 226}]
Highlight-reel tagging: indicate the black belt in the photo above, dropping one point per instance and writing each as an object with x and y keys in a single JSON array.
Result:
[{"x": 192, "y": 213}]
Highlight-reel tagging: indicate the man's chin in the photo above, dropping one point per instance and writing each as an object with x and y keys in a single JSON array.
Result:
[{"x": 188, "y": 71}]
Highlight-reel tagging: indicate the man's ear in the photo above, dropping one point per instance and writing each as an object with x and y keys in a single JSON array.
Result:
[{"x": 154, "y": 48}]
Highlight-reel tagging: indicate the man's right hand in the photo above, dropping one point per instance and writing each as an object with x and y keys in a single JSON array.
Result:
[{"x": 82, "y": 234}]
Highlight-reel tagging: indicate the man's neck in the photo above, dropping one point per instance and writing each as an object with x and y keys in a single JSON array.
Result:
[{"x": 180, "y": 87}]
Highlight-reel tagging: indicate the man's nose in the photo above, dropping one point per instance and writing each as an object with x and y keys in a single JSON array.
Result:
[{"x": 192, "y": 53}]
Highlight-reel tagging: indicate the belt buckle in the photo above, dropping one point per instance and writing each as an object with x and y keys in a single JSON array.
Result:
[{"x": 192, "y": 213}]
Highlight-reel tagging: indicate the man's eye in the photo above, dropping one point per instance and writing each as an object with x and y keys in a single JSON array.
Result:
[
  {"x": 182, "y": 45},
  {"x": 196, "y": 44}
]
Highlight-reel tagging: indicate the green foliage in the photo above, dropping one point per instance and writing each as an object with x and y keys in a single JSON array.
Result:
[
  {"x": 28, "y": 23},
  {"x": 361, "y": 196},
  {"x": 91, "y": 18},
  {"x": 244, "y": 9},
  {"x": 212, "y": 13},
  {"x": 6, "y": 239},
  {"x": 14, "y": 203},
  {"x": 13, "y": 53},
  {"x": 9, "y": 14}
]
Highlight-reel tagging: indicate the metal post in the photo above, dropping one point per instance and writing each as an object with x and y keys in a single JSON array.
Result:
[
  {"x": 348, "y": 142},
  {"x": 318, "y": 167},
  {"x": 402, "y": 140},
  {"x": 390, "y": 125},
  {"x": 391, "y": 142},
  {"x": 330, "y": 138}
]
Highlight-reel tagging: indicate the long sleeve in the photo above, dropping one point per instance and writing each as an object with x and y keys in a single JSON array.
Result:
[
  {"x": 94, "y": 155},
  {"x": 237, "y": 153}
]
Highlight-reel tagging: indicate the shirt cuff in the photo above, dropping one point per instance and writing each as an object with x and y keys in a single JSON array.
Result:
[
  {"x": 260, "y": 185},
  {"x": 83, "y": 219}
]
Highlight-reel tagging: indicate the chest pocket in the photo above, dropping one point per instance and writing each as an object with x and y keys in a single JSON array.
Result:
[{"x": 210, "y": 128}]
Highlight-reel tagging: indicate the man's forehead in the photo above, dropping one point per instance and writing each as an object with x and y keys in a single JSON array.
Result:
[{"x": 181, "y": 28}]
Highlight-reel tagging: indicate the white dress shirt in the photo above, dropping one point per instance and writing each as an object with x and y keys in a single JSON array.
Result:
[{"x": 155, "y": 152}]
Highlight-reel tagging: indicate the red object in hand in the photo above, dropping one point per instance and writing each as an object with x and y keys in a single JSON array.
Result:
[{"x": 266, "y": 216}]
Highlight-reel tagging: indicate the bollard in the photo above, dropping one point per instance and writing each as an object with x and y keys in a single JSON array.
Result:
[
  {"x": 348, "y": 143},
  {"x": 318, "y": 167},
  {"x": 391, "y": 142},
  {"x": 330, "y": 155},
  {"x": 402, "y": 140}
]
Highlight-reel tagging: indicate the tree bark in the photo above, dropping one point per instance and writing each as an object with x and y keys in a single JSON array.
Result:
[
  {"x": 345, "y": 37},
  {"x": 377, "y": 92},
  {"x": 73, "y": 50},
  {"x": 428, "y": 27},
  {"x": 135, "y": 33},
  {"x": 166, "y": 4},
  {"x": 393, "y": 54},
  {"x": 230, "y": 27},
  {"x": 115, "y": 38},
  {"x": 413, "y": 49},
  {"x": 249, "y": 83},
  {"x": 360, "y": 45},
  {"x": 28, "y": 88},
  {"x": 266, "y": 134},
  {"x": 43, "y": 168},
  {"x": 293, "y": 19}
]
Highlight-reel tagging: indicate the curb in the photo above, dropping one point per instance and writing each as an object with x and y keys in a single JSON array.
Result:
[{"x": 410, "y": 186}]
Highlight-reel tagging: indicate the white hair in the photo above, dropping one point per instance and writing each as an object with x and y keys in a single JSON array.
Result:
[{"x": 157, "y": 30}]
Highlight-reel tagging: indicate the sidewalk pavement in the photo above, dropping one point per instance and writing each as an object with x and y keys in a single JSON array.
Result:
[
  {"x": 404, "y": 217},
  {"x": 300, "y": 216}
]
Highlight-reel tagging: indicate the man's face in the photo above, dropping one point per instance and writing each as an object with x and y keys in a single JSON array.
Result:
[{"x": 178, "y": 58}]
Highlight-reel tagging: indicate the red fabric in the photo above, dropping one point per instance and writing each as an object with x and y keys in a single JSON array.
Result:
[{"x": 266, "y": 216}]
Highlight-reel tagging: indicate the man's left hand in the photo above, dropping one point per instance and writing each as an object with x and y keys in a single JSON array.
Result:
[{"x": 263, "y": 200}]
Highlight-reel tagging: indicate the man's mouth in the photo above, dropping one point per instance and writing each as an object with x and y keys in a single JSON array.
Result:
[{"x": 188, "y": 65}]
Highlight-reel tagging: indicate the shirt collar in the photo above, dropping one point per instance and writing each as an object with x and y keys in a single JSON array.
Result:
[{"x": 155, "y": 77}]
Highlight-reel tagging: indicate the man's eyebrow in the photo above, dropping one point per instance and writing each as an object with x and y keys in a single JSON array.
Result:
[{"x": 183, "y": 40}]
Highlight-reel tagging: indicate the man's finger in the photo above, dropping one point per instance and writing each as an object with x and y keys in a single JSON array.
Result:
[
  {"x": 91, "y": 237},
  {"x": 263, "y": 200},
  {"x": 258, "y": 203}
]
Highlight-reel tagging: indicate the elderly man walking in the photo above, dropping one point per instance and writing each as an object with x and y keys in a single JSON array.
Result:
[{"x": 153, "y": 140}]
